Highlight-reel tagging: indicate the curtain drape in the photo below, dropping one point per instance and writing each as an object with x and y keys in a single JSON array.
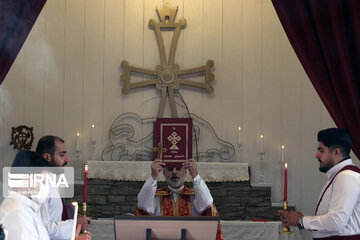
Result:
[
  {"x": 325, "y": 35},
  {"x": 17, "y": 17}
]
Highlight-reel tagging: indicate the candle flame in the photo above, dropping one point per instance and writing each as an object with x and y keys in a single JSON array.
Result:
[
  {"x": 261, "y": 136},
  {"x": 86, "y": 167},
  {"x": 285, "y": 165},
  {"x": 282, "y": 147},
  {"x": 239, "y": 128},
  {"x": 78, "y": 134},
  {"x": 92, "y": 125},
  {"x": 74, "y": 203}
]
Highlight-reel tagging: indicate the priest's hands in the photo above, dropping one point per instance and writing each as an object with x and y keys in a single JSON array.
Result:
[
  {"x": 290, "y": 218},
  {"x": 156, "y": 168},
  {"x": 191, "y": 165}
]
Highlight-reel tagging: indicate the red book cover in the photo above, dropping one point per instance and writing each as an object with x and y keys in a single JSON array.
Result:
[{"x": 174, "y": 137}]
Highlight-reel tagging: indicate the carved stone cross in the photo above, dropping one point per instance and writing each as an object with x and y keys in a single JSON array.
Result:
[{"x": 166, "y": 74}]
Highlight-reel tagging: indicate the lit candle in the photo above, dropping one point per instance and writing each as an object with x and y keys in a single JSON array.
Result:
[
  {"x": 77, "y": 141},
  {"x": 261, "y": 143},
  {"x": 75, "y": 204},
  {"x": 93, "y": 132},
  {"x": 239, "y": 128},
  {"x": 282, "y": 153},
  {"x": 285, "y": 184},
  {"x": 85, "y": 182}
]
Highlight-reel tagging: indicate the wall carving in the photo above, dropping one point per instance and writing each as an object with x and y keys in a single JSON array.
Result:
[
  {"x": 131, "y": 139},
  {"x": 167, "y": 77}
]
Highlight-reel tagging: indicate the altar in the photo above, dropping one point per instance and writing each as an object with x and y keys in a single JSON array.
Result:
[
  {"x": 113, "y": 187},
  {"x": 232, "y": 230}
]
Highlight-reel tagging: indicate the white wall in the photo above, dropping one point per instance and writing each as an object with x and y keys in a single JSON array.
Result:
[{"x": 67, "y": 76}]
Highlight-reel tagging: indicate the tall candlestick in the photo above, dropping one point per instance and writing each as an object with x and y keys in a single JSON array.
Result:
[
  {"x": 77, "y": 141},
  {"x": 239, "y": 128},
  {"x": 282, "y": 153},
  {"x": 261, "y": 143},
  {"x": 93, "y": 132},
  {"x": 75, "y": 204},
  {"x": 85, "y": 182},
  {"x": 285, "y": 184}
]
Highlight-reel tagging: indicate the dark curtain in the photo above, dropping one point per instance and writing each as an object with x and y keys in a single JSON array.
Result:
[
  {"x": 325, "y": 35},
  {"x": 17, "y": 17}
]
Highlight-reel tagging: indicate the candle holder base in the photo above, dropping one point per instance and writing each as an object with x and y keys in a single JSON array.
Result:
[
  {"x": 286, "y": 229},
  {"x": 83, "y": 213}
]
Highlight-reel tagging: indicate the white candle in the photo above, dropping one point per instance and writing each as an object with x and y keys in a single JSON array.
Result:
[
  {"x": 239, "y": 128},
  {"x": 93, "y": 132},
  {"x": 261, "y": 143},
  {"x": 282, "y": 153},
  {"x": 75, "y": 204},
  {"x": 77, "y": 141}
]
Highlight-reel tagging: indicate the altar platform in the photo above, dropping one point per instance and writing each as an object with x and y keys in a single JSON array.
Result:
[{"x": 232, "y": 230}]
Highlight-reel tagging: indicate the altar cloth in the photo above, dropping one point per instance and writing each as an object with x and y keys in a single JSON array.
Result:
[{"x": 140, "y": 171}]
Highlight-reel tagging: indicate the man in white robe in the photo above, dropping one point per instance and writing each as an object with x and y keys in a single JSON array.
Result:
[
  {"x": 20, "y": 211},
  {"x": 337, "y": 215},
  {"x": 53, "y": 213}
]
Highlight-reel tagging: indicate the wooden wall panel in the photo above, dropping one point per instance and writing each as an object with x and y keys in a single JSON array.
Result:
[
  {"x": 232, "y": 94},
  {"x": 212, "y": 45},
  {"x": 251, "y": 104},
  {"x": 54, "y": 68},
  {"x": 271, "y": 98},
  {"x": 94, "y": 73},
  {"x": 193, "y": 53},
  {"x": 35, "y": 58},
  {"x": 113, "y": 55},
  {"x": 134, "y": 54},
  {"x": 291, "y": 117},
  {"x": 133, "y": 51},
  {"x": 74, "y": 73}
]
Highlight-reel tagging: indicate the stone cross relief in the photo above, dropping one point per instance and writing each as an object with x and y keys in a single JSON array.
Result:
[{"x": 166, "y": 75}]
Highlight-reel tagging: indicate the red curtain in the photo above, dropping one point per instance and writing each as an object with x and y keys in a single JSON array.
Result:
[
  {"x": 325, "y": 35},
  {"x": 17, "y": 17}
]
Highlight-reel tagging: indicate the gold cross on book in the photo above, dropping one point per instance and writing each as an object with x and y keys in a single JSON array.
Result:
[{"x": 159, "y": 149}]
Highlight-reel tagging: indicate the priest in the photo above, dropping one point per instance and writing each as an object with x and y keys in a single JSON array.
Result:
[{"x": 176, "y": 199}]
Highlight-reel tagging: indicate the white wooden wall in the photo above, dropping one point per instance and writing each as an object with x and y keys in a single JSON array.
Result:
[{"x": 67, "y": 77}]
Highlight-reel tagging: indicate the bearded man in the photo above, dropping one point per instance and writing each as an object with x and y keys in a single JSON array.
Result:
[
  {"x": 337, "y": 215},
  {"x": 176, "y": 199}
]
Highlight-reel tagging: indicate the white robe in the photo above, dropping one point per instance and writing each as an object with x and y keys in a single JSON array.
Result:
[
  {"x": 151, "y": 204},
  {"x": 20, "y": 216},
  {"x": 51, "y": 214},
  {"x": 339, "y": 210}
]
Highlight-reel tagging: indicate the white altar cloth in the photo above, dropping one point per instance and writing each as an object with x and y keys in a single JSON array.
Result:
[
  {"x": 232, "y": 230},
  {"x": 140, "y": 171}
]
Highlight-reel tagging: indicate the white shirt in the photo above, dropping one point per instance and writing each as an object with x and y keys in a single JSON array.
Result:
[
  {"x": 201, "y": 201},
  {"x": 20, "y": 216},
  {"x": 339, "y": 210},
  {"x": 51, "y": 214}
]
